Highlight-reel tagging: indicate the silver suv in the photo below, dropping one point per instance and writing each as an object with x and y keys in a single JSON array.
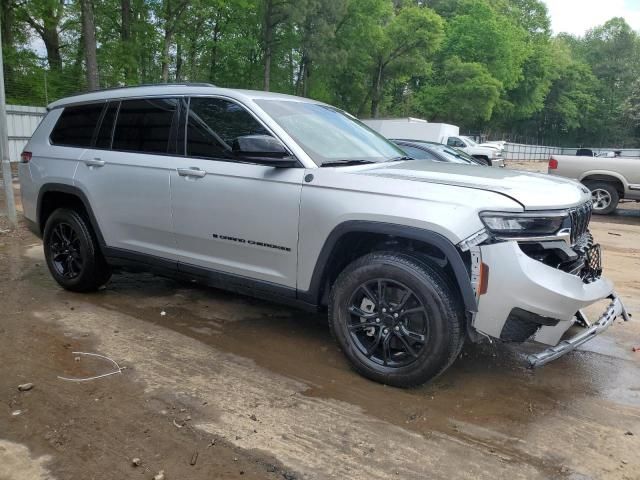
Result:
[{"x": 297, "y": 201}]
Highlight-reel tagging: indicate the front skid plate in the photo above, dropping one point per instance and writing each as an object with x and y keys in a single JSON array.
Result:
[{"x": 614, "y": 310}]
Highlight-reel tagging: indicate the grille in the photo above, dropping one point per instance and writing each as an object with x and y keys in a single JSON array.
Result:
[{"x": 580, "y": 218}]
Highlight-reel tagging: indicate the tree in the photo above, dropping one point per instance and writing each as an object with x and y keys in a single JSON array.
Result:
[
  {"x": 172, "y": 11},
  {"x": 612, "y": 51},
  {"x": 45, "y": 17},
  {"x": 480, "y": 34},
  {"x": 89, "y": 44},
  {"x": 318, "y": 26},
  {"x": 274, "y": 14},
  {"x": 572, "y": 98},
  {"x": 412, "y": 35},
  {"x": 466, "y": 95}
]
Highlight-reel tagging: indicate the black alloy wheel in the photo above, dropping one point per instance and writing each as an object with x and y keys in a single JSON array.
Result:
[
  {"x": 64, "y": 247},
  {"x": 389, "y": 323},
  {"x": 72, "y": 252},
  {"x": 397, "y": 317}
]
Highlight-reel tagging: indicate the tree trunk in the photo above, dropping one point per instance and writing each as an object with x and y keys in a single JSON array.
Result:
[
  {"x": 7, "y": 22},
  {"x": 213, "y": 64},
  {"x": 51, "y": 41},
  {"x": 125, "y": 26},
  {"x": 300, "y": 76},
  {"x": 306, "y": 84},
  {"x": 89, "y": 39},
  {"x": 268, "y": 43},
  {"x": 168, "y": 35},
  {"x": 377, "y": 91},
  {"x": 178, "y": 62}
]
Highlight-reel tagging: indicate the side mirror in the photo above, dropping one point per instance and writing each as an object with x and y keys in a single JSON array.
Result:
[{"x": 263, "y": 150}]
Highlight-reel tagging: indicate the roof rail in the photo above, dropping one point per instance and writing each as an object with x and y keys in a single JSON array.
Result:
[{"x": 181, "y": 84}]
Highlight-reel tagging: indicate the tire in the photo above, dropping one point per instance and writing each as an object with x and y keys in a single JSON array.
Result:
[
  {"x": 382, "y": 355},
  {"x": 72, "y": 253},
  {"x": 605, "y": 197}
]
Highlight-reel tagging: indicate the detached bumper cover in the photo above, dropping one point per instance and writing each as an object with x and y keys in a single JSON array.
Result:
[
  {"x": 517, "y": 281},
  {"x": 615, "y": 309}
]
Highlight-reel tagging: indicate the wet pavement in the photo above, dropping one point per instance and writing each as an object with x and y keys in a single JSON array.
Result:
[{"x": 269, "y": 387}]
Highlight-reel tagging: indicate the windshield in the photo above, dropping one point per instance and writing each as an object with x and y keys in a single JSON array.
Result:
[
  {"x": 454, "y": 155},
  {"x": 329, "y": 135},
  {"x": 470, "y": 141}
]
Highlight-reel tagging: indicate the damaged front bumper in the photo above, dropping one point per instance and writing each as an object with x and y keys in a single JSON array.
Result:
[
  {"x": 526, "y": 299},
  {"x": 614, "y": 310}
]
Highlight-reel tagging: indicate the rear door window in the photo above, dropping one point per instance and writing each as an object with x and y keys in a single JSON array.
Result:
[
  {"x": 76, "y": 125},
  {"x": 145, "y": 125},
  {"x": 213, "y": 124}
]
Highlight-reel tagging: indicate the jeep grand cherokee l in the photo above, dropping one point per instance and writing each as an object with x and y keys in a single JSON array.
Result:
[{"x": 296, "y": 201}]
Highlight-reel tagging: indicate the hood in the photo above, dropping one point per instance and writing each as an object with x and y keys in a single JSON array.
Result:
[
  {"x": 490, "y": 145},
  {"x": 534, "y": 191}
]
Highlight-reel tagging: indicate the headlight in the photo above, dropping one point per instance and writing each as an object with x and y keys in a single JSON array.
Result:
[{"x": 525, "y": 224}]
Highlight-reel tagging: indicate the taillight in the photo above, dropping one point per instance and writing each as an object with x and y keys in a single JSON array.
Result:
[
  {"x": 25, "y": 157},
  {"x": 553, "y": 163}
]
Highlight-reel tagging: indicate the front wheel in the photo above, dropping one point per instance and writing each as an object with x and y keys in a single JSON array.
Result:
[{"x": 397, "y": 319}]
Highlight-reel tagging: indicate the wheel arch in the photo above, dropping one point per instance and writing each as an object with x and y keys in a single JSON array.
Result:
[
  {"x": 352, "y": 239},
  {"x": 604, "y": 176},
  {"x": 59, "y": 195}
]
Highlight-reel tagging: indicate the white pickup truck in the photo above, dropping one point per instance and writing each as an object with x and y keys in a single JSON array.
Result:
[
  {"x": 410, "y": 128},
  {"x": 610, "y": 179}
]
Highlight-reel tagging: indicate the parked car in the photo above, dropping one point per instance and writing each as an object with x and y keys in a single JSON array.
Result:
[
  {"x": 296, "y": 201},
  {"x": 610, "y": 179},
  {"x": 438, "y": 152},
  {"x": 444, "y": 133}
]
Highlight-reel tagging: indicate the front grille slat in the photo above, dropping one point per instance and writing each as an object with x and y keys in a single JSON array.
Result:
[{"x": 580, "y": 218}]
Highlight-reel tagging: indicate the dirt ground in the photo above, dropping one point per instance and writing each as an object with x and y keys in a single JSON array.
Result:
[{"x": 242, "y": 388}]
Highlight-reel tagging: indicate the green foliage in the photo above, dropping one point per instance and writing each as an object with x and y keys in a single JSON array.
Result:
[
  {"x": 486, "y": 65},
  {"x": 481, "y": 34},
  {"x": 466, "y": 95}
]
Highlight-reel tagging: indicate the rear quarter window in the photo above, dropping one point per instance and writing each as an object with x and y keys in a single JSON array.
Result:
[{"x": 76, "y": 125}]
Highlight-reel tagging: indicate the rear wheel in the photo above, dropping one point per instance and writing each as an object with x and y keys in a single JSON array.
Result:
[
  {"x": 396, "y": 319},
  {"x": 605, "y": 197},
  {"x": 72, "y": 253}
]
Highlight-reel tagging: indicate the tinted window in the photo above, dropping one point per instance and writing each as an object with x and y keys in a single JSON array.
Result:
[
  {"x": 103, "y": 140},
  {"x": 213, "y": 124},
  {"x": 76, "y": 125},
  {"x": 417, "y": 153},
  {"x": 144, "y": 125}
]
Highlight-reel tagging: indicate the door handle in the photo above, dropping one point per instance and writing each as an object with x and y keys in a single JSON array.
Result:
[
  {"x": 191, "y": 172},
  {"x": 94, "y": 162}
]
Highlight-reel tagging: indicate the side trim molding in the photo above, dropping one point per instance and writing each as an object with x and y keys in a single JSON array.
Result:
[{"x": 213, "y": 278}]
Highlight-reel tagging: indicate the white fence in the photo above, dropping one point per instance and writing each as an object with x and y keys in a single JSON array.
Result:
[
  {"x": 521, "y": 152},
  {"x": 22, "y": 121}
]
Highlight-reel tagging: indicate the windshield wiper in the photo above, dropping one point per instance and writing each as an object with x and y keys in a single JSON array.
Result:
[
  {"x": 346, "y": 162},
  {"x": 400, "y": 159}
]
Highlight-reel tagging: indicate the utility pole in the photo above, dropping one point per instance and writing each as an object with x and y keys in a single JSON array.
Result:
[{"x": 4, "y": 147}]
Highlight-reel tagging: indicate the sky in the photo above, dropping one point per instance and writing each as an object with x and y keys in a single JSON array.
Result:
[{"x": 577, "y": 16}]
